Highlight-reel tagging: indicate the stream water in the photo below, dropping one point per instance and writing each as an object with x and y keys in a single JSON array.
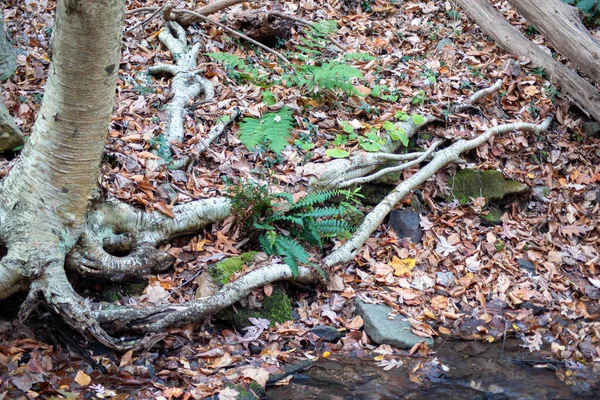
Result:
[{"x": 459, "y": 370}]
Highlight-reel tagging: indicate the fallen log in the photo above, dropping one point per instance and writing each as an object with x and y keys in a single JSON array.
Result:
[
  {"x": 579, "y": 91},
  {"x": 560, "y": 25}
]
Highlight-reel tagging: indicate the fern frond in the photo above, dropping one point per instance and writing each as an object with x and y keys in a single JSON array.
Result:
[
  {"x": 272, "y": 128},
  {"x": 228, "y": 59},
  {"x": 314, "y": 198},
  {"x": 311, "y": 233},
  {"x": 292, "y": 252},
  {"x": 333, "y": 227},
  {"x": 320, "y": 271},
  {"x": 322, "y": 212}
]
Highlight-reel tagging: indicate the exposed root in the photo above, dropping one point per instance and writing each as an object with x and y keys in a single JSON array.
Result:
[
  {"x": 423, "y": 156},
  {"x": 120, "y": 241},
  {"x": 95, "y": 258},
  {"x": 332, "y": 174},
  {"x": 11, "y": 278},
  {"x": 153, "y": 319},
  {"x": 346, "y": 252},
  {"x": 187, "y": 84},
  {"x": 59, "y": 295},
  {"x": 478, "y": 96}
]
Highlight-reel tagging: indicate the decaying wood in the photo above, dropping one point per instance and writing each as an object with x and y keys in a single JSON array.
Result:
[
  {"x": 581, "y": 92},
  {"x": 560, "y": 25}
]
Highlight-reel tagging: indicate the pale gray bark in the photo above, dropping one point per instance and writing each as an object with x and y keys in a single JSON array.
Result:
[
  {"x": 561, "y": 26},
  {"x": 582, "y": 93}
]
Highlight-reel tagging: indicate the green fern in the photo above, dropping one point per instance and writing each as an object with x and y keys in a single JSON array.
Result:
[
  {"x": 286, "y": 225},
  {"x": 314, "y": 198},
  {"x": 328, "y": 76},
  {"x": 273, "y": 130}
]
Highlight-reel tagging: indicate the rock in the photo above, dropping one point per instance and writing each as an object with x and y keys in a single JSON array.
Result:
[
  {"x": 381, "y": 330},
  {"x": 374, "y": 193},
  {"x": 222, "y": 270},
  {"x": 492, "y": 217},
  {"x": 443, "y": 43},
  {"x": 327, "y": 333},
  {"x": 10, "y": 134},
  {"x": 407, "y": 224},
  {"x": 526, "y": 265},
  {"x": 591, "y": 128},
  {"x": 491, "y": 184}
]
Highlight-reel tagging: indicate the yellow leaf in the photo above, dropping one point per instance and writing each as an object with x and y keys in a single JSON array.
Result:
[
  {"x": 444, "y": 331},
  {"x": 200, "y": 245},
  {"x": 402, "y": 267},
  {"x": 82, "y": 378},
  {"x": 379, "y": 357},
  {"x": 326, "y": 354},
  {"x": 427, "y": 312}
]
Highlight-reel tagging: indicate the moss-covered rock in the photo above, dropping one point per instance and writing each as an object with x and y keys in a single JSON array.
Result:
[
  {"x": 275, "y": 308},
  {"x": 492, "y": 217},
  {"x": 222, "y": 271},
  {"x": 492, "y": 185}
]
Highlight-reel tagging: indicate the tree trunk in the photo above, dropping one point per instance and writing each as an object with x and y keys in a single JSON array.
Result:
[
  {"x": 45, "y": 197},
  {"x": 560, "y": 25},
  {"x": 582, "y": 93}
]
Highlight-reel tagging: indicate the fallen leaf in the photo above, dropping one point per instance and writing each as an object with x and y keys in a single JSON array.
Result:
[{"x": 82, "y": 378}]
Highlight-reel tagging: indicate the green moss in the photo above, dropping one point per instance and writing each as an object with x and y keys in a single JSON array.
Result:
[
  {"x": 135, "y": 288},
  {"x": 222, "y": 271},
  {"x": 492, "y": 217},
  {"x": 492, "y": 185},
  {"x": 275, "y": 308}
]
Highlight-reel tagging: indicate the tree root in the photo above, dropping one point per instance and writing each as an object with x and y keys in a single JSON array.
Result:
[
  {"x": 120, "y": 241},
  {"x": 152, "y": 319},
  {"x": 334, "y": 174},
  {"x": 348, "y": 250},
  {"x": 186, "y": 83}
]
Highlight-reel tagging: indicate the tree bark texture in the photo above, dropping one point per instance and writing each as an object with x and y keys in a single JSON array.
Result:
[
  {"x": 581, "y": 92},
  {"x": 560, "y": 25}
]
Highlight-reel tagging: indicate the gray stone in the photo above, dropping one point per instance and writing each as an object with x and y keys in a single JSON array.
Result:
[
  {"x": 526, "y": 265},
  {"x": 591, "y": 128},
  {"x": 407, "y": 224},
  {"x": 443, "y": 43},
  {"x": 471, "y": 183},
  {"x": 8, "y": 60},
  {"x": 381, "y": 330},
  {"x": 10, "y": 134},
  {"x": 327, "y": 333}
]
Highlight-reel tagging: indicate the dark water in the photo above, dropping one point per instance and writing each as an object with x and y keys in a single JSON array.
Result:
[{"x": 460, "y": 370}]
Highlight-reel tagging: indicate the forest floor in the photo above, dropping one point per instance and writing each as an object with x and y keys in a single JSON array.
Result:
[{"x": 425, "y": 57}]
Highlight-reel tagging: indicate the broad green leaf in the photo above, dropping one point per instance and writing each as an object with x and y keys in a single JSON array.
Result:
[{"x": 337, "y": 153}]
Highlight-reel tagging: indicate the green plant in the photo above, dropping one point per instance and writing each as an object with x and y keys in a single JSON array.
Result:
[
  {"x": 539, "y": 71},
  {"x": 419, "y": 99},
  {"x": 162, "y": 147},
  {"x": 552, "y": 91},
  {"x": 587, "y": 6},
  {"x": 272, "y": 130},
  {"x": 330, "y": 76},
  {"x": 286, "y": 226},
  {"x": 238, "y": 70}
]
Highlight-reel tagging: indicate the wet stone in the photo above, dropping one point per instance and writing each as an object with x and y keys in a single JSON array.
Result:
[
  {"x": 327, "y": 333},
  {"x": 407, "y": 224}
]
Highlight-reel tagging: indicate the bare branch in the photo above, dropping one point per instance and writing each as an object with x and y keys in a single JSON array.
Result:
[
  {"x": 347, "y": 251},
  {"x": 398, "y": 168},
  {"x": 235, "y": 33},
  {"x": 477, "y": 96}
]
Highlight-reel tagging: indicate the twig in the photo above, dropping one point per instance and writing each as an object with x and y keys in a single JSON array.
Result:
[
  {"x": 306, "y": 23},
  {"x": 155, "y": 14},
  {"x": 475, "y": 97},
  {"x": 235, "y": 33},
  {"x": 402, "y": 167}
]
